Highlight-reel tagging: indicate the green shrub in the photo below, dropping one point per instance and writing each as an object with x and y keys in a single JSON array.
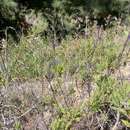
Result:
[{"x": 66, "y": 118}]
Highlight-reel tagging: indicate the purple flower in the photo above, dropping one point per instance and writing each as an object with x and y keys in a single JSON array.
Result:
[{"x": 129, "y": 36}]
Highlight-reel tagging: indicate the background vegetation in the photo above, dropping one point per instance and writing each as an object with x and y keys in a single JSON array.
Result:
[
  {"x": 63, "y": 17},
  {"x": 64, "y": 65}
]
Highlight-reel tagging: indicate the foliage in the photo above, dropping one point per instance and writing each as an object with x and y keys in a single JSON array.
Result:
[
  {"x": 70, "y": 57},
  {"x": 63, "y": 17},
  {"x": 75, "y": 69},
  {"x": 8, "y": 8},
  {"x": 66, "y": 118},
  {"x": 109, "y": 92},
  {"x": 87, "y": 60}
]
